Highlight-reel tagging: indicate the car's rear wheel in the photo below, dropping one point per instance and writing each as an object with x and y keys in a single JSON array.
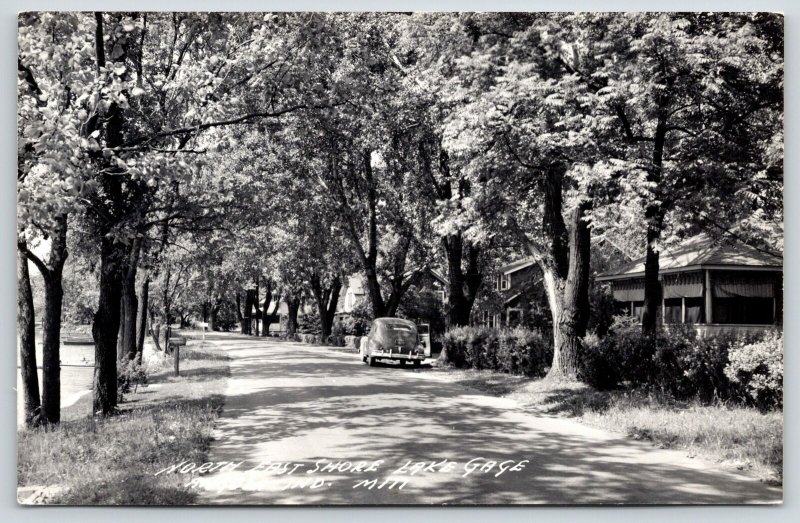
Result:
[
  {"x": 402, "y": 363},
  {"x": 371, "y": 361},
  {"x": 417, "y": 363}
]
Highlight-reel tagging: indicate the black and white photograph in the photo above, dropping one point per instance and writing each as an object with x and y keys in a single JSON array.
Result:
[{"x": 387, "y": 258}]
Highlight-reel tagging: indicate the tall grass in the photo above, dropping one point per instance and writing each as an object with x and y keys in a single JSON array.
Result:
[
  {"x": 735, "y": 436},
  {"x": 112, "y": 461}
]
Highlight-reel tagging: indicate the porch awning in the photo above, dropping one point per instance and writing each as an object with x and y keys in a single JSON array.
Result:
[
  {"x": 743, "y": 285},
  {"x": 628, "y": 290},
  {"x": 683, "y": 285}
]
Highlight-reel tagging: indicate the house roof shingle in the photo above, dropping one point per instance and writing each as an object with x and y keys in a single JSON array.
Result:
[{"x": 702, "y": 251}]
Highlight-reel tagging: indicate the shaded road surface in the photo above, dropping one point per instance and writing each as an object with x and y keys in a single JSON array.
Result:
[{"x": 311, "y": 406}]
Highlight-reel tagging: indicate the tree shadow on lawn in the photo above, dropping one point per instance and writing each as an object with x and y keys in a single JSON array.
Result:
[{"x": 572, "y": 401}]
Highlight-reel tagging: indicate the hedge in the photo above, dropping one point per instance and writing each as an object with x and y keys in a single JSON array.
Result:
[
  {"x": 745, "y": 368},
  {"x": 515, "y": 351}
]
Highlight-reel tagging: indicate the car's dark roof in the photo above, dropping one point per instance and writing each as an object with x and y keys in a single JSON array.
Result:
[{"x": 395, "y": 320}]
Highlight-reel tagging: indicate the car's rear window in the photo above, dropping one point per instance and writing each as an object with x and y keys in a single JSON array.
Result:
[{"x": 399, "y": 327}]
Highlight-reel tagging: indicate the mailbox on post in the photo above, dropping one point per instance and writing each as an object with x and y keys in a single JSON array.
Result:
[
  {"x": 424, "y": 333},
  {"x": 175, "y": 344}
]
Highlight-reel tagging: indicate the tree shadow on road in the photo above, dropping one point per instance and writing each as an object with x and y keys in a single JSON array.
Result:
[{"x": 286, "y": 406}]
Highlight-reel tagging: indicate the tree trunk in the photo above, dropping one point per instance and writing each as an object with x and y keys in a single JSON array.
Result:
[
  {"x": 652, "y": 286},
  {"x": 106, "y": 327},
  {"x": 565, "y": 268},
  {"x": 212, "y": 317},
  {"x": 461, "y": 288},
  {"x": 336, "y": 289},
  {"x": 128, "y": 312},
  {"x": 247, "y": 316},
  {"x": 265, "y": 318},
  {"x": 165, "y": 299},
  {"x": 654, "y": 216},
  {"x": 130, "y": 303},
  {"x": 239, "y": 315},
  {"x": 374, "y": 292},
  {"x": 256, "y": 307},
  {"x": 570, "y": 301},
  {"x": 155, "y": 330},
  {"x": 270, "y": 317},
  {"x": 293, "y": 305},
  {"x": 326, "y": 299},
  {"x": 141, "y": 329},
  {"x": 51, "y": 322},
  {"x": 26, "y": 333}
]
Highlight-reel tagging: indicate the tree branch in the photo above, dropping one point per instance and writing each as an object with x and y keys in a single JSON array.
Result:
[
  {"x": 208, "y": 125},
  {"x": 43, "y": 268}
]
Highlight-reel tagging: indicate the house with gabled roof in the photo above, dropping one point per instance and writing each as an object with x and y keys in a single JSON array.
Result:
[
  {"x": 518, "y": 286},
  {"x": 354, "y": 293}
]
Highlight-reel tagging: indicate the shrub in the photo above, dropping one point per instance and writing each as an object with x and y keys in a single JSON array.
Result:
[
  {"x": 685, "y": 365},
  {"x": 622, "y": 355},
  {"x": 757, "y": 366},
  {"x": 516, "y": 351},
  {"x": 524, "y": 351},
  {"x": 130, "y": 375},
  {"x": 599, "y": 363},
  {"x": 357, "y": 322},
  {"x": 352, "y": 341},
  {"x": 692, "y": 366},
  {"x": 309, "y": 323},
  {"x": 423, "y": 306},
  {"x": 336, "y": 340}
]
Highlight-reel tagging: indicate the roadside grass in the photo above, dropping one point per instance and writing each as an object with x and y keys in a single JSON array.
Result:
[
  {"x": 113, "y": 461},
  {"x": 736, "y": 437}
]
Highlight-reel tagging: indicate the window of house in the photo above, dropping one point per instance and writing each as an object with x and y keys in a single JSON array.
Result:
[
  {"x": 505, "y": 282},
  {"x": 490, "y": 320},
  {"x": 514, "y": 317},
  {"x": 695, "y": 310},
  {"x": 441, "y": 296},
  {"x": 638, "y": 310},
  {"x": 744, "y": 310},
  {"x": 673, "y": 310}
]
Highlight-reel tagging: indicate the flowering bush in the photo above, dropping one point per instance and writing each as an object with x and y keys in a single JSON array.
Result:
[{"x": 758, "y": 367}]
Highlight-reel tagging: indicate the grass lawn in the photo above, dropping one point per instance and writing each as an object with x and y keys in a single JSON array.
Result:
[
  {"x": 112, "y": 461},
  {"x": 736, "y": 437}
]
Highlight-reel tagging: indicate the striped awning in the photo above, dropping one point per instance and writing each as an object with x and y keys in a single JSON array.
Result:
[
  {"x": 683, "y": 285},
  {"x": 738, "y": 285},
  {"x": 628, "y": 290}
]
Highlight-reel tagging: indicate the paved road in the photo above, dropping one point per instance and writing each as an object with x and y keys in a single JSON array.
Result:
[{"x": 310, "y": 407}]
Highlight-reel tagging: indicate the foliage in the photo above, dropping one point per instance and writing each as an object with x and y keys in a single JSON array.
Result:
[
  {"x": 758, "y": 366},
  {"x": 114, "y": 460},
  {"x": 515, "y": 351},
  {"x": 423, "y": 306},
  {"x": 248, "y": 151},
  {"x": 683, "y": 364},
  {"x": 602, "y": 308},
  {"x": 308, "y": 322},
  {"x": 130, "y": 375}
]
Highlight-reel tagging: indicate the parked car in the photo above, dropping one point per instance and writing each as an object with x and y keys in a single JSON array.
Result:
[{"x": 392, "y": 339}]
